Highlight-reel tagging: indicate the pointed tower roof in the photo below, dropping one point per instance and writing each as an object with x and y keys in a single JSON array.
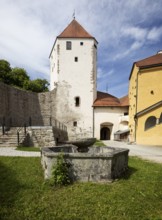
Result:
[{"x": 75, "y": 30}]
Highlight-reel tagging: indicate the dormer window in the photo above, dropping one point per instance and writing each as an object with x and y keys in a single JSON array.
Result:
[
  {"x": 68, "y": 45},
  {"x": 77, "y": 101}
]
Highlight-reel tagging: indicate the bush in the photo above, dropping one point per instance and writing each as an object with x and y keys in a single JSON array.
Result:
[{"x": 60, "y": 171}]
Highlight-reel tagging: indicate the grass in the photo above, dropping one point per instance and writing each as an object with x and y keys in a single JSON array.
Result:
[
  {"x": 25, "y": 195},
  {"x": 21, "y": 148},
  {"x": 99, "y": 143}
]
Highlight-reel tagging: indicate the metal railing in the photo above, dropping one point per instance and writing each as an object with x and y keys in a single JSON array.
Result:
[
  {"x": 18, "y": 133},
  {"x": 8, "y": 122}
]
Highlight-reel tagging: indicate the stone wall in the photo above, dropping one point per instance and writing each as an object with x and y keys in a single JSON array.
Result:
[
  {"x": 18, "y": 107},
  {"x": 45, "y": 136}
]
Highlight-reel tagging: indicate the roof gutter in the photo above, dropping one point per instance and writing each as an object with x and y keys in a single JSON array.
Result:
[{"x": 150, "y": 66}]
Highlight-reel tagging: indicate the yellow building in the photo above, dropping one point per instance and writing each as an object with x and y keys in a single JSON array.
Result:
[{"x": 145, "y": 99}]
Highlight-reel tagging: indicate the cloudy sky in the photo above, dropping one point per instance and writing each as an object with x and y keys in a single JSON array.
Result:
[{"x": 127, "y": 31}]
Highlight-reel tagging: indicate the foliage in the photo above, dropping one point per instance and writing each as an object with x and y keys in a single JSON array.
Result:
[
  {"x": 60, "y": 171},
  {"x": 38, "y": 85},
  {"x": 5, "y": 71},
  {"x": 18, "y": 77},
  {"x": 25, "y": 195}
]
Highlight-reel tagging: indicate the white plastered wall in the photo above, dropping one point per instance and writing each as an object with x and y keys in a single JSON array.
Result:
[
  {"x": 109, "y": 115},
  {"x": 75, "y": 79}
]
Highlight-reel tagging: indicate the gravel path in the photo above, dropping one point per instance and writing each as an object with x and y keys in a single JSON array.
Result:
[
  {"x": 12, "y": 152},
  {"x": 152, "y": 153}
]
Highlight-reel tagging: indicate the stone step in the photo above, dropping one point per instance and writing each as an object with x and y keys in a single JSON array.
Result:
[
  {"x": 9, "y": 143},
  {"x": 11, "y": 140}
]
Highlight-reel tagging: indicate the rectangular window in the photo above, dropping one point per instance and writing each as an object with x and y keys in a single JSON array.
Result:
[
  {"x": 75, "y": 123},
  {"x": 81, "y": 43},
  {"x": 58, "y": 49},
  {"x": 77, "y": 101},
  {"x": 76, "y": 59},
  {"x": 68, "y": 45}
]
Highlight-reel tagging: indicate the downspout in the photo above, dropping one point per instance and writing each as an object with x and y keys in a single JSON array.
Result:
[
  {"x": 135, "y": 118},
  {"x": 93, "y": 121}
]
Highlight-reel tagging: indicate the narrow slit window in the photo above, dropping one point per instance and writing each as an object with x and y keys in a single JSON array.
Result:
[
  {"x": 75, "y": 123},
  {"x": 95, "y": 46},
  {"x": 76, "y": 59},
  {"x": 77, "y": 101}
]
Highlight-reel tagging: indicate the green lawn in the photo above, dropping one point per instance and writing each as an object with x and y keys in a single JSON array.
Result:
[
  {"x": 99, "y": 143},
  {"x": 22, "y": 148},
  {"x": 25, "y": 195}
]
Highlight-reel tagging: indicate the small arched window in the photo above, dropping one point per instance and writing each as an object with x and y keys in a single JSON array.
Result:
[
  {"x": 150, "y": 122},
  {"x": 77, "y": 101}
]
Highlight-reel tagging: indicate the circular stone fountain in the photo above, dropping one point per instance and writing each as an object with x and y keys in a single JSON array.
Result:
[{"x": 96, "y": 164}]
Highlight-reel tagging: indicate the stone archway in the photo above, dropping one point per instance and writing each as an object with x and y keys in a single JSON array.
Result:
[{"x": 105, "y": 133}]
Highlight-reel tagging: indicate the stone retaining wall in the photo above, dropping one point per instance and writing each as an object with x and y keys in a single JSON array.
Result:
[
  {"x": 46, "y": 136},
  {"x": 19, "y": 106}
]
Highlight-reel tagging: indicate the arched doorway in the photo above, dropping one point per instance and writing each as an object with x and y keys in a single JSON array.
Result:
[{"x": 105, "y": 133}]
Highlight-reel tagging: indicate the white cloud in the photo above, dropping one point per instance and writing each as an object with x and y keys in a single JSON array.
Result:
[
  {"x": 101, "y": 74},
  {"x": 135, "y": 46},
  {"x": 136, "y": 33},
  {"x": 28, "y": 29},
  {"x": 154, "y": 34}
]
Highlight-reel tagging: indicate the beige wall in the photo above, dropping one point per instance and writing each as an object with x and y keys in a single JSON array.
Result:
[
  {"x": 145, "y": 90},
  {"x": 132, "y": 102},
  {"x": 151, "y": 136},
  {"x": 149, "y": 87}
]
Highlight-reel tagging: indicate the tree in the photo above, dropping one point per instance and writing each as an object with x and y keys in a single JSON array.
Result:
[
  {"x": 5, "y": 72},
  {"x": 19, "y": 76},
  {"x": 37, "y": 85}
]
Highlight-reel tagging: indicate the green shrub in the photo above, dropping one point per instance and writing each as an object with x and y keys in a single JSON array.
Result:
[{"x": 60, "y": 171}]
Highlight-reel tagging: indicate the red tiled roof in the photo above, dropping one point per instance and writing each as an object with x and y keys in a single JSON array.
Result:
[
  {"x": 75, "y": 30},
  {"x": 155, "y": 60},
  {"x": 105, "y": 99},
  {"x": 150, "y": 61},
  {"x": 124, "y": 101}
]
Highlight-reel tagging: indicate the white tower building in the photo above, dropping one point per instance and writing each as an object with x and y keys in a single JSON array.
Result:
[{"x": 73, "y": 76}]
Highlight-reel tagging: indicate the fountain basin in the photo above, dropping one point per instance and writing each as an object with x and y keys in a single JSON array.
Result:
[
  {"x": 82, "y": 144},
  {"x": 100, "y": 164}
]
